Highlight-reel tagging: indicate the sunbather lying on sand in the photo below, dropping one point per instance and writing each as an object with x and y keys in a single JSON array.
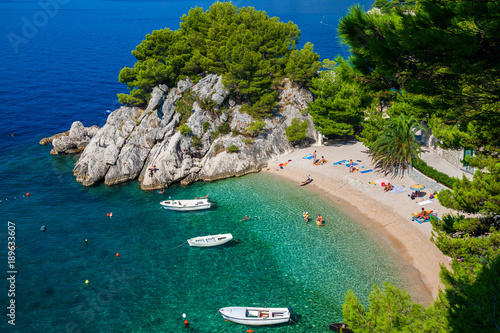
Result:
[{"x": 423, "y": 214}]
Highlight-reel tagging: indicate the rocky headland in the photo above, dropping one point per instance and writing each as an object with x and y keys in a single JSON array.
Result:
[{"x": 219, "y": 143}]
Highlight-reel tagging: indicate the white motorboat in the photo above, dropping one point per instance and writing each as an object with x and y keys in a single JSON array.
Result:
[
  {"x": 256, "y": 316},
  {"x": 211, "y": 240},
  {"x": 186, "y": 205}
]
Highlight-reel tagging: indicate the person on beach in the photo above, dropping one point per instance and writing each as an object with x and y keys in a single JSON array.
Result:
[
  {"x": 423, "y": 214},
  {"x": 388, "y": 187},
  {"x": 314, "y": 157},
  {"x": 351, "y": 166}
]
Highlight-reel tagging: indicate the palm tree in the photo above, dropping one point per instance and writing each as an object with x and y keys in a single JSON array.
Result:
[{"x": 397, "y": 146}]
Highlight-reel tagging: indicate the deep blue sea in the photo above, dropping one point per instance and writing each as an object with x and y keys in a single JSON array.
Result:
[{"x": 59, "y": 63}]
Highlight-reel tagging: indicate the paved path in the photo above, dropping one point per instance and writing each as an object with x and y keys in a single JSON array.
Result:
[{"x": 437, "y": 162}]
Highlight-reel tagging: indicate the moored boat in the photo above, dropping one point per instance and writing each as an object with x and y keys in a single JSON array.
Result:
[
  {"x": 187, "y": 205},
  {"x": 211, "y": 240},
  {"x": 256, "y": 316}
]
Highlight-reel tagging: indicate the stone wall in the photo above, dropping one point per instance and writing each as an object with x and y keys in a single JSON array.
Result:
[{"x": 453, "y": 156}]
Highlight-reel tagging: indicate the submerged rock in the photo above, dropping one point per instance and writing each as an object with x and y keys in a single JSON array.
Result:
[{"x": 147, "y": 145}]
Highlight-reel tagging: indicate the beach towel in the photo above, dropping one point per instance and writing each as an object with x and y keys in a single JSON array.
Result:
[
  {"x": 308, "y": 157},
  {"x": 365, "y": 171},
  {"x": 347, "y": 164},
  {"x": 318, "y": 162},
  {"x": 424, "y": 202},
  {"x": 421, "y": 220},
  {"x": 339, "y": 162},
  {"x": 380, "y": 181},
  {"x": 396, "y": 189}
]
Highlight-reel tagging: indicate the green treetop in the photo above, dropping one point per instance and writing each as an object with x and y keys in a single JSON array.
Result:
[
  {"x": 252, "y": 52},
  {"x": 340, "y": 100}
]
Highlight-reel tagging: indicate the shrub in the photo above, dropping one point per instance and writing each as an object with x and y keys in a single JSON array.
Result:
[
  {"x": 196, "y": 141},
  {"x": 207, "y": 103},
  {"x": 184, "y": 129},
  {"x": 233, "y": 149},
  {"x": 184, "y": 106},
  {"x": 297, "y": 130},
  {"x": 206, "y": 126},
  {"x": 247, "y": 141},
  {"x": 224, "y": 128},
  {"x": 256, "y": 127}
]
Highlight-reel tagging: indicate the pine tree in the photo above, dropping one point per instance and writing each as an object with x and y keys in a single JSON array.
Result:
[{"x": 340, "y": 101}]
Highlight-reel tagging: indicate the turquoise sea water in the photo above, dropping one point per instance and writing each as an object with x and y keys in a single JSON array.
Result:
[
  {"x": 67, "y": 71},
  {"x": 277, "y": 261}
]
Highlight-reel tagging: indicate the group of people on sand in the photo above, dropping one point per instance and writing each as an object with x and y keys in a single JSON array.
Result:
[
  {"x": 423, "y": 215},
  {"x": 318, "y": 161}
]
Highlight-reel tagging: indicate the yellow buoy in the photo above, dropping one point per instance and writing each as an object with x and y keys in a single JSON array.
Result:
[{"x": 86, "y": 281}]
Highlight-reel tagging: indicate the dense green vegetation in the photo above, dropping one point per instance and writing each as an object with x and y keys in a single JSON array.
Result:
[
  {"x": 386, "y": 6},
  {"x": 434, "y": 62},
  {"x": 338, "y": 110},
  {"x": 297, "y": 130},
  {"x": 392, "y": 310},
  {"x": 252, "y": 51}
]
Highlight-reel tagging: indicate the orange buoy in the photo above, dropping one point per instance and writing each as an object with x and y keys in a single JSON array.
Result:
[
  {"x": 250, "y": 331},
  {"x": 117, "y": 255},
  {"x": 27, "y": 194},
  {"x": 107, "y": 215},
  {"x": 186, "y": 322}
]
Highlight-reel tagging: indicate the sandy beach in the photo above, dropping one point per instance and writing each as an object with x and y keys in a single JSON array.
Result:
[{"x": 384, "y": 213}]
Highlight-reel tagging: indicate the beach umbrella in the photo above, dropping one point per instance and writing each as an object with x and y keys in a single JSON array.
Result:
[{"x": 417, "y": 187}]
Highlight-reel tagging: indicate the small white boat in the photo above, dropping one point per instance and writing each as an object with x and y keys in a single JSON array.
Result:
[
  {"x": 211, "y": 240},
  {"x": 186, "y": 205},
  {"x": 256, "y": 316}
]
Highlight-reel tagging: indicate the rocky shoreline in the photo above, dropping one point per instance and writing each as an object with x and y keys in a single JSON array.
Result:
[{"x": 147, "y": 144}]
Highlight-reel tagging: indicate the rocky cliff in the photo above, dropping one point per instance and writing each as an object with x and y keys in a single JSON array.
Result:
[{"x": 147, "y": 144}]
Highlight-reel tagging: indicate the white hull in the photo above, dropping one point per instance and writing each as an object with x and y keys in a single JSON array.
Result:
[
  {"x": 256, "y": 316},
  {"x": 211, "y": 240},
  {"x": 186, "y": 205}
]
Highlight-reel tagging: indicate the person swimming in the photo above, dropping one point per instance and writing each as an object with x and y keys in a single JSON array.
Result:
[{"x": 305, "y": 215}]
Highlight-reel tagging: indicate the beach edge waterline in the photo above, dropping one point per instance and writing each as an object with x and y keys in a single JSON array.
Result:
[{"x": 366, "y": 206}]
